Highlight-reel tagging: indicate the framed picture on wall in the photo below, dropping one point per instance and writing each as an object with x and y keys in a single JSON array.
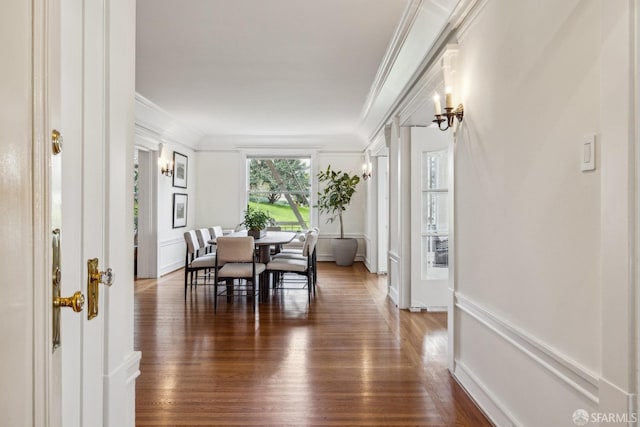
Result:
[
  {"x": 180, "y": 170},
  {"x": 180, "y": 210}
]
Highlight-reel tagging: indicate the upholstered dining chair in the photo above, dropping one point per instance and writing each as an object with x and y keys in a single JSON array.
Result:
[
  {"x": 216, "y": 231},
  {"x": 204, "y": 236},
  {"x": 236, "y": 259},
  {"x": 298, "y": 253},
  {"x": 298, "y": 264},
  {"x": 193, "y": 262}
]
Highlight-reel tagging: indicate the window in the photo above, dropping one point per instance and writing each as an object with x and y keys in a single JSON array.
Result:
[
  {"x": 435, "y": 224},
  {"x": 282, "y": 187}
]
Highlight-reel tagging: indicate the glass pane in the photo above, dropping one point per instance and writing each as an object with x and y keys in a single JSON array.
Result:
[
  {"x": 282, "y": 187},
  {"x": 435, "y": 217},
  {"x": 435, "y": 257},
  {"x": 435, "y": 173}
]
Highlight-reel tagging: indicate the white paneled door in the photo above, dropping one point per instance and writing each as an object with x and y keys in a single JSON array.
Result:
[
  {"x": 430, "y": 218},
  {"x": 55, "y": 218}
]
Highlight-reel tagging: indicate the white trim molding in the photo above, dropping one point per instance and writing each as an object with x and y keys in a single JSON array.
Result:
[
  {"x": 394, "y": 275},
  {"x": 119, "y": 392},
  {"x": 424, "y": 31},
  {"x": 156, "y": 120},
  {"x": 483, "y": 397},
  {"x": 167, "y": 249},
  {"x": 391, "y": 55},
  {"x": 579, "y": 378}
]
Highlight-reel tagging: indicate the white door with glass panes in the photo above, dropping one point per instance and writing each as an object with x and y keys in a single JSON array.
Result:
[{"x": 430, "y": 218}]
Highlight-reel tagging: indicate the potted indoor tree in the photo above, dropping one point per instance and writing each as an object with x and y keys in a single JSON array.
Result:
[
  {"x": 339, "y": 187},
  {"x": 256, "y": 221}
]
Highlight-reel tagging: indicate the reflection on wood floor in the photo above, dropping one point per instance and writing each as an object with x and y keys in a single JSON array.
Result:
[{"x": 350, "y": 358}]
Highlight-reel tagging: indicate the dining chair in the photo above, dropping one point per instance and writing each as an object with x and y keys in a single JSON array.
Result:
[
  {"x": 298, "y": 253},
  {"x": 236, "y": 259},
  {"x": 204, "y": 236},
  {"x": 193, "y": 262},
  {"x": 298, "y": 264},
  {"x": 216, "y": 231}
]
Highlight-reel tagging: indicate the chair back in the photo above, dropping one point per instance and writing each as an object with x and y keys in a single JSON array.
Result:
[
  {"x": 191, "y": 239},
  {"x": 235, "y": 249},
  {"x": 203, "y": 237},
  {"x": 310, "y": 244},
  {"x": 215, "y": 231}
]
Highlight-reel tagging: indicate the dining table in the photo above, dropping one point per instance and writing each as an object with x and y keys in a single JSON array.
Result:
[{"x": 263, "y": 248}]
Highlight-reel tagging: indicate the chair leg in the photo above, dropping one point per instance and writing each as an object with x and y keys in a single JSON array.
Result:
[
  {"x": 215, "y": 294},
  {"x": 253, "y": 292},
  {"x": 315, "y": 270},
  {"x": 186, "y": 275}
]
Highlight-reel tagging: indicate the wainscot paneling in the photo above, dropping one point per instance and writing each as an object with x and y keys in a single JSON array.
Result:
[
  {"x": 172, "y": 254},
  {"x": 495, "y": 351}
]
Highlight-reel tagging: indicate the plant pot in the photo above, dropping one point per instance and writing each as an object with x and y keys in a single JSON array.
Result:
[
  {"x": 257, "y": 234},
  {"x": 344, "y": 250}
]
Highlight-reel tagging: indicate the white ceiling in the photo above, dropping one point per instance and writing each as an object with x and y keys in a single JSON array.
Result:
[{"x": 263, "y": 67}]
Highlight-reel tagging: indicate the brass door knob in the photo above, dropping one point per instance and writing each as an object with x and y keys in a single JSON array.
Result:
[{"x": 76, "y": 302}]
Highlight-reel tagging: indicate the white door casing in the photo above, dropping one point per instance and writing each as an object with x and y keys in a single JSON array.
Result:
[
  {"x": 382, "y": 180},
  {"x": 430, "y": 218}
]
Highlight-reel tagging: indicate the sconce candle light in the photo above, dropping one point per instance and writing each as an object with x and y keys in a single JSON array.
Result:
[
  {"x": 450, "y": 112},
  {"x": 166, "y": 165},
  {"x": 366, "y": 171},
  {"x": 167, "y": 169}
]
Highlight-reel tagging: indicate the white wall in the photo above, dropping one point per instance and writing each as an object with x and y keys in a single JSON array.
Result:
[
  {"x": 221, "y": 192},
  {"x": 170, "y": 240},
  {"x": 530, "y": 290}
]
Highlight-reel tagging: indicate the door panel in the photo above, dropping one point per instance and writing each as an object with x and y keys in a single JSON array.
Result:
[
  {"x": 82, "y": 117},
  {"x": 430, "y": 218},
  {"x": 16, "y": 228}
]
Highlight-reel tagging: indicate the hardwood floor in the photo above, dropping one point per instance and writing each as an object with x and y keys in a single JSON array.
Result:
[{"x": 350, "y": 358}]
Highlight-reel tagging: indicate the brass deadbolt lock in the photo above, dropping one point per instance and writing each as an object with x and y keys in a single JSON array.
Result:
[
  {"x": 56, "y": 142},
  {"x": 95, "y": 277}
]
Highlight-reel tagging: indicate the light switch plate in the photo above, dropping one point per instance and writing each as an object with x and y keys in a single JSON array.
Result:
[{"x": 588, "y": 153}]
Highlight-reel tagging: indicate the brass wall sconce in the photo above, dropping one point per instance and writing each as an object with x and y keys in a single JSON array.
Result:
[
  {"x": 449, "y": 112},
  {"x": 366, "y": 171},
  {"x": 165, "y": 165},
  {"x": 167, "y": 169}
]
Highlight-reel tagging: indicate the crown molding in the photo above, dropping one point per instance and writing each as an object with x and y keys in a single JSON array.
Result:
[
  {"x": 391, "y": 55},
  {"x": 398, "y": 77},
  {"x": 158, "y": 122},
  {"x": 342, "y": 142}
]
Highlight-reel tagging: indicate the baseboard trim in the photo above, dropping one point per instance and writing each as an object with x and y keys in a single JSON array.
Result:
[
  {"x": 120, "y": 392},
  {"x": 615, "y": 400},
  {"x": 578, "y": 377},
  {"x": 329, "y": 258},
  {"x": 170, "y": 268},
  {"x": 483, "y": 398}
]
